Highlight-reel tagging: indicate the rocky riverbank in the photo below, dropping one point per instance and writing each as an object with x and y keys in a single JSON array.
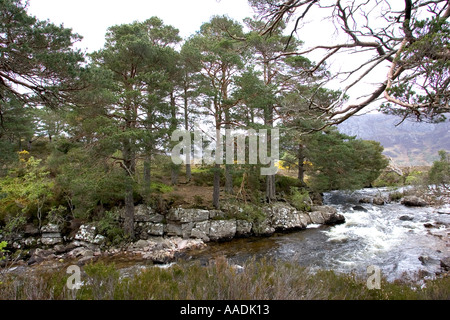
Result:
[{"x": 162, "y": 237}]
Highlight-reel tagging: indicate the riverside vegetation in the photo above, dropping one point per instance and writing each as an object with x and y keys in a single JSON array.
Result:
[{"x": 255, "y": 280}]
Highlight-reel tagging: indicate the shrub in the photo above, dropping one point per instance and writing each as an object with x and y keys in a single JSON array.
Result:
[
  {"x": 203, "y": 176},
  {"x": 198, "y": 200},
  {"x": 160, "y": 187},
  {"x": 102, "y": 280},
  {"x": 300, "y": 199},
  {"x": 395, "y": 196},
  {"x": 285, "y": 183},
  {"x": 388, "y": 179},
  {"x": 439, "y": 174},
  {"x": 109, "y": 226},
  {"x": 57, "y": 215},
  {"x": 24, "y": 191},
  {"x": 3, "y": 245},
  {"x": 86, "y": 181},
  {"x": 251, "y": 213}
]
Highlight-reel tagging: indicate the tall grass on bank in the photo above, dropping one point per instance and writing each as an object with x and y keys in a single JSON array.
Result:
[{"x": 257, "y": 280}]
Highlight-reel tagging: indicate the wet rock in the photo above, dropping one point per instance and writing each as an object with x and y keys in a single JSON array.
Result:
[
  {"x": 87, "y": 253},
  {"x": 155, "y": 229},
  {"x": 413, "y": 201},
  {"x": 141, "y": 244},
  {"x": 51, "y": 234},
  {"x": 427, "y": 260},
  {"x": 424, "y": 259},
  {"x": 31, "y": 230},
  {"x": 50, "y": 228},
  {"x": 80, "y": 252},
  {"x": 316, "y": 217},
  {"x": 201, "y": 230},
  {"x": 60, "y": 249},
  {"x": 333, "y": 218},
  {"x": 187, "y": 244},
  {"x": 262, "y": 228},
  {"x": 51, "y": 239},
  {"x": 73, "y": 245},
  {"x": 324, "y": 209},
  {"x": 217, "y": 214},
  {"x": 38, "y": 255},
  {"x": 86, "y": 260},
  {"x": 173, "y": 229},
  {"x": 406, "y": 218},
  {"x": 379, "y": 201},
  {"x": 359, "y": 208},
  {"x": 330, "y": 216},
  {"x": 445, "y": 263},
  {"x": 243, "y": 228},
  {"x": 284, "y": 217},
  {"x": 30, "y": 242},
  {"x": 99, "y": 239},
  {"x": 142, "y": 235},
  {"x": 142, "y": 213},
  {"x": 366, "y": 200},
  {"x": 86, "y": 233},
  {"x": 34, "y": 260},
  {"x": 428, "y": 225},
  {"x": 186, "y": 229},
  {"x": 187, "y": 215},
  {"x": 305, "y": 219},
  {"x": 222, "y": 230},
  {"x": 160, "y": 257}
]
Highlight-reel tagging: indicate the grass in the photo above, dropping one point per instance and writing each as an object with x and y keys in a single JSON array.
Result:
[
  {"x": 258, "y": 280},
  {"x": 160, "y": 187}
]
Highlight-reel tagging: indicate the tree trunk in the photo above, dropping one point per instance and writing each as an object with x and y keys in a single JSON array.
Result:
[
  {"x": 228, "y": 176},
  {"x": 130, "y": 168},
  {"x": 128, "y": 224},
  {"x": 186, "y": 127},
  {"x": 174, "y": 175},
  {"x": 147, "y": 176},
  {"x": 270, "y": 180},
  {"x": 270, "y": 188},
  {"x": 301, "y": 169},
  {"x": 216, "y": 191},
  {"x": 188, "y": 171},
  {"x": 228, "y": 179}
]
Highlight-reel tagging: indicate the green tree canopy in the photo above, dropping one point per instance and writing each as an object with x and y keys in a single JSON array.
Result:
[
  {"x": 343, "y": 162},
  {"x": 37, "y": 61}
]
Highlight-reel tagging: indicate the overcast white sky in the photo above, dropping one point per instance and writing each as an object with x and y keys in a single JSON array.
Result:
[{"x": 91, "y": 18}]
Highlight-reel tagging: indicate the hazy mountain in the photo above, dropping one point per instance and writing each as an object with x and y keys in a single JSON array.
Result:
[{"x": 409, "y": 144}]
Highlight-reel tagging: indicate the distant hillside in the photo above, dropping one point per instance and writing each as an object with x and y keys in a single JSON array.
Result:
[{"x": 409, "y": 144}]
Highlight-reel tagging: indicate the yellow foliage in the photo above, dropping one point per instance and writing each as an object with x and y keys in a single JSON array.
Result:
[
  {"x": 281, "y": 165},
  {"x": 24, "y": 156}
]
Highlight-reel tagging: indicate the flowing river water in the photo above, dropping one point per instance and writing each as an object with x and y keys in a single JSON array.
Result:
[{"x": 402, "y": 241}]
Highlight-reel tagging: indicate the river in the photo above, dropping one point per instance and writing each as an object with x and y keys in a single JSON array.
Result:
[{"x": 402, "y": 241}]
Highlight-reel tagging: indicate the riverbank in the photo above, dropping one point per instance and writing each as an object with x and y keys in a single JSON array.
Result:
[
  {"x": 163, "y": 237},
  {"x": 218, "y": 280},
  {"x": 394, "y": 236}
]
